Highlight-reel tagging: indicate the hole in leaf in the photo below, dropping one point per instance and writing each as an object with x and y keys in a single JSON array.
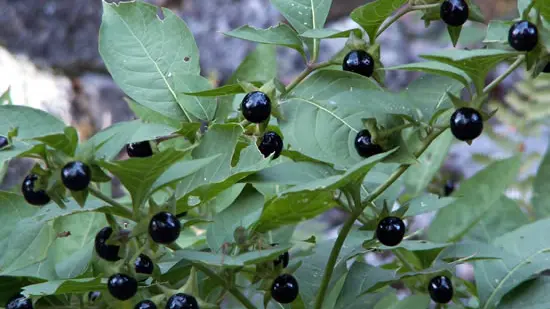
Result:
[
  {"x": 186, "y": 59},
  {"x": 160, "y": 13}
]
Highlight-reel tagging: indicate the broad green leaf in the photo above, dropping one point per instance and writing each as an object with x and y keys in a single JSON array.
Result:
[
  {"x": 415, "y": 245},
  {"x": 108, "y": 142},
  {"x": 544, "y": 7},
  {"x": 419, "y": 175},
  {"x": 281, "y": 34},
  {"x": 541, "y": 194},
  {"x": 292, "y": 173},
  {"x": 476, "y": 63},
  {"x": 529, "y": 295},
  {"x": 429, "y": 94},
  {"x": 29, "y": 122},
  {"x": 231, "y": 261},
  {"x": 528, "y": 256},
  {"x": 471, "y": 251},
  {"x": 475, "y": 197},
  {"x": 371, "y": 15},
  {"x": 506, "y": 216},
  {"x": 244, "y": 212},
  {"x": 427, "y": 203},
  {"x": 58, "y": 287},
  {"x": 497, "y": 31},
  {"x": 200, "y": 108},
  {"x": 330, "y": 33},
  {"x": 433, "y": 67},
  {"x": 307, "y": 200},
  {"x": 223, "y": 90},
  {"x": 413, "y": 301},
  {"x": 150, "y": 58},
  {"x": 66, "y": 142},
  {"x": 225, "y": 198},
  {"x": 148, "y": 115}
]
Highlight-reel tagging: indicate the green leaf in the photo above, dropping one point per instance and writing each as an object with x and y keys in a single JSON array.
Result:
[
  {"x": 66, "y": 142},
  {"x": 475, "y": 197},
  {"x": 531, "y": 294},
  {"x": 148, "y": 115},
  {"x": 476, "y": 63},
  {"x": 497, "y": 31},
  {"x": 244, "y": 212},
  {"x": 507, "y": 217},
  {"x": 454, "y": 34},
  {"x": 29, "y": 122},
  {"x": 541, "y": 194},
  {"x": 223, "y": 90},
  {"x": 281, "y": 34},
  {"x": 291, "y": 173},
  {"x": 527, "y": 257},
  {"x": 307, "y": 200},
  {"x": 371, "y": 15},
  {"x": 231, "y": 261},
  {"x": 434, "y": 67},
  {"x": 544, "y": 8},
  {"x": 330, "y": 33},
  {"x": 426, "y": 203},
  {"x": 108, "y": 142},
  {"x": 149, "y": 57},
  {"x": 260, "y": 65},
  {"x": 59, "y": 287}
]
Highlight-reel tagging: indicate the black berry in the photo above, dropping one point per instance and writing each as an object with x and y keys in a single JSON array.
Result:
[
  {"x": 182, "y": 301},
  {"x": 282, "y": 259},
  {"x": 441, "y": 289},
  {"x": 523, "y": 36},
  {"x": 546, "y": 68},
  {"x": 37, "y": 198},
  {"x": 144, "y": 265},
  {"x": 3, "y": 141},
  {"x": 93, "y": 296},
  {"x": 449, "y": 187},
  {"x": 145, "y": 304},
  {"x": 454, "y": 12},
  {"x": 284, "y": 289},
  {"x": 364, "y": 145},
  {"x": 19, "y": 302},
  {"x": 360, "y": 62},
  {"x": 164, "y": 228},
  {"x": 103, "y": 250},
  {"x": 466, "y": 124},
  {"x": 271, "y": 143},
  {"x": 256, "y": 107},
  {"x": 122, "y": 287},
  {"x": 139, "y": 150},
  {"x": 390, "y": 231},
  {"x": 76, "y": 176}
]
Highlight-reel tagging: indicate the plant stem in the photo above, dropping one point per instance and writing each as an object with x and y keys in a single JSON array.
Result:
[
  {"x": 499, "y": 79},
  {"x": 356, "y": 213},
  {"x": 219, "y": 280},
  {"x": 120, "y": 209},
  {"x": 316, "y": 46},
  {"x": 310, "y": 68},
  {"x": 403, "y": 12},
  {"x": 403, "y": 260}
]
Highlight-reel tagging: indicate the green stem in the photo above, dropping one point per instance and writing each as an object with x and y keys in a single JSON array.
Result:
[
  {"x": 403, "y": 260},
  {"x": 120, "y": 209},
  {"x": 316, "y": 47},
  {"x": 356, "y": 213},
  {"x": 499, "y": 79},
  {"x": 305, "y": 73},
  {"x": 397, "y": 16},
  {"x": 391, "y": 131},
  {"x": 219, "y": 280}
]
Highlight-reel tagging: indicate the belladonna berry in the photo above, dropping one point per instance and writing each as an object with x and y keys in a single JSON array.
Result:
[
  {"x": 284, "y": 289},
  {"x": 256, "y": 107},
  {"x": 390, "y": 231},
  {"x": 454, "y": 12},
  {"x": 144, "y": 265},
  {"x": 282, "y": 259},
  {"x": 93, "y": 296},
  {"x": 76, "y": 176},
  {"x": 466, "y": 124},
  {"x": 360, "y": 62},
  {"x": 145, "y": 304},
  {"x": 182, "y": 301},
  {"x": 523, "y": 36},
  {"x": 449, "y": 187},
  {"x": 103, "y": 250},
  {"x": 19, "y": 302},
  {"x": 122, "y": 287},
  {"x": 441, "y": 289},
  {"x": 32, "y": 196},
  {"x": 164, "y": 228},
  {"x": 3, "y": 141},
  {"x": 364, "y": 145},
  {"x": 271, "y": 143},
  {"x": 139, "y": 149}
]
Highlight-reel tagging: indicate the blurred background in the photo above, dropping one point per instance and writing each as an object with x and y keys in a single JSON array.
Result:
[{"x": 49, "y": 60}]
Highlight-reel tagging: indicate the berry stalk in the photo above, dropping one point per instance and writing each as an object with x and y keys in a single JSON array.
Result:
[
  {"x": 519, "y": 61},
  {"x": 120, "y": 209}
]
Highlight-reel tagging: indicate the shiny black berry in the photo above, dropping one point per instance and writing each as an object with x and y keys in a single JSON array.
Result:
[
  {"x": 37, "y": 198},
  {"x": 76, "y": 176},
  {"x": 360, "y": 62},
  {"x": 390, "y": 231},
  {"x": 139, "y": 150},
  {"x": 256, "y": 107},
  {"x": 19, "y": 302},
  {"x": 466, "y": 124},
  {"x": 523, "y": 36},
  {"x": 449, "y": 187},
  {"x": 145, "y": 304},
  {"x": 3, "y": 141},
  {"x": 454, "y": 12},
  {"x": 122, "y": 287},
  {"x": 364, "y": 145},
  {"x": 441, "y": 289},
  {"x": 271, "y": 143},
  {"x": 546, "y": 68},
  {"x": 144, "y": 265},
  {"x": 103, "y": 250},
  {"x": 282, "y": 259},
  {"x": 182, "y": 301},
  {"x": 164, "y": 228},
  {"x": 93, "y": 296},
  {"x": 284, "y": 289}
]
